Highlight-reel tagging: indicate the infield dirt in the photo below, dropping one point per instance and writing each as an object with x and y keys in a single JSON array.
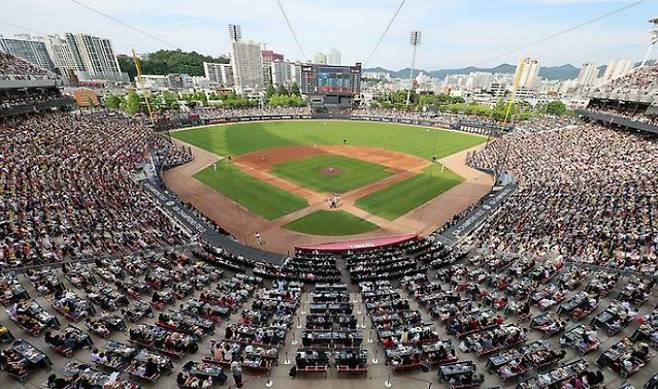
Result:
[{"x": 243, "y": 224}]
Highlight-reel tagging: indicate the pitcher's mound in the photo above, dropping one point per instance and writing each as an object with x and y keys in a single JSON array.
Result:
[{"x": 331, "y": 171}]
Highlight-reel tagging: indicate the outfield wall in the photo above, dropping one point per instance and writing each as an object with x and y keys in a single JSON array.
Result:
[{"x": 460, "y": 125}]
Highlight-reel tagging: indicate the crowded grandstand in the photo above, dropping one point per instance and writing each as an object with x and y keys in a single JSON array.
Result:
[{"x": 110, "y": 280}]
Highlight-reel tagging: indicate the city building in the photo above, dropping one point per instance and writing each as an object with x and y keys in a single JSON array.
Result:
[
  {"x": 377, "y": 75},
  {"x": 268, "y": 57},
  {"x": 527, "y": 74},
  {"x": 285, "y": 73},
  {"x": 152, "y": 82},
  {"x": 97, "y": 56},
  {"x": 204, "y": 83},
  {"x": 219, "y": 73},
  {"x": 498, "y": 88},
  {"x": 30, "y": 49},
  {"x": 61, "y": 54},
  {"x": 423, "y": 78},
  {"x": 479, "y": 80},
  {"x": 334, "y": 57},
  {"x": 89, "y": 57},
  {"x": 320, "y": 58},
  {"x": 617, "y": 68},
  {"x": 180, "y": 81},
  {"x": 587, "y": 75},
  {"x": 455, "y": 80},
  {"x": 246, "y": 61}
]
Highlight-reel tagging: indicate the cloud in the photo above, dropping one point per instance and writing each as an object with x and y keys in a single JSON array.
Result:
[{"x": 455, "y": 33}]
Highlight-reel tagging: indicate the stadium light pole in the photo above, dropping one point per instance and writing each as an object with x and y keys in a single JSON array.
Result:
[
  {"x": 414, "y": 40},
  {"x": 653, "y": 36}
]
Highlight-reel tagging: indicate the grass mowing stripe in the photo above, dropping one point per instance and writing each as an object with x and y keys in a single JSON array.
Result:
[
  {"x": 404, "y": 196},
  {"x": 354, "y": 173},
  {"x": 240, "y": 138},
  {"x": 258, "y": 196},
  {"x": 331, "y": 223}
]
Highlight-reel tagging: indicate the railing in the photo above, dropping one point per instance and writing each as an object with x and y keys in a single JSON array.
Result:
[
  {"x": 15, "y": 83},
  {"x": 37, "y": 107},
  {"x": 633, "y": 96},
  {"x": 607, "y": 118}
]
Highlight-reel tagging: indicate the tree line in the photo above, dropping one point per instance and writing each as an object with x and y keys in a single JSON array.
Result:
[
  {"x": 133, "y": 102},
  {"x": 163, "y": 62},
  {"x": 519, "y": 110}
]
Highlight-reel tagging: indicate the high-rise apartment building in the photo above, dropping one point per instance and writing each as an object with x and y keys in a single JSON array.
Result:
[
  {"x": 31, "y": 49},
  {"x": 61, "y": 53},
  {"x": 246, "y": 61},
  {"x": 90, "y": 57},
  {"x": 97, "y": 56},
  {"x": 527, "y": 73},
  {"x": 479, "y": 80},
  {"x": 269, "y": 56},
  {"x": 285, "y": 73},
  {"x": 334, "y": 57},
  {"x": 221, "y": 73},
  {"x": 617, "y": 68},
  {"x": 587, "y": 75}
]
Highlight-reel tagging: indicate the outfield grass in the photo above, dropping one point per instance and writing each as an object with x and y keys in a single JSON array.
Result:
[
  {"x": 331, "y": 223},
  {"x": 240, "y": 138},
  {"x": 404, "y": 196},
  {"x": 258, "y": 196},
  {"x": 272, "y": 202},
  {"x": 354, "y": 173}
]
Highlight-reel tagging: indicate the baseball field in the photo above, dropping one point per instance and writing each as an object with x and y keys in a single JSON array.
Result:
[{"x": 287, "y": 172}]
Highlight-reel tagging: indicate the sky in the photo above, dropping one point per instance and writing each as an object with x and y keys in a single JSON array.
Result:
[{"x": 456, "y": 33}]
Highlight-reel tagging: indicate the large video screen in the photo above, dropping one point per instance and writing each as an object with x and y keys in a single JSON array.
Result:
[
  {"x": 334, "y": 79},
  {"x": 327, "y": 79}
]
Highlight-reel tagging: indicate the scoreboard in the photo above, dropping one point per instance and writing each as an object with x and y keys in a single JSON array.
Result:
[{"x": 331, "y": 80}]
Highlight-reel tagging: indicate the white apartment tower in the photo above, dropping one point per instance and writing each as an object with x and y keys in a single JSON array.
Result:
[
  {"x": 97, "y": 56},
  {"x": 221, "y": 73},
  {"x": 284, "y": 73},
  {"x": 334, "y": 57},
  {"x": 527, "y": 73},
  {"x": 617, "y": 68},
  {"x": 90, "y": 57},
  {"x": 61, "y": 53},
  {"x": 587, "y": 75},
  {"x": 30, "y": 49},
  {"x": 479, "y": 80},
  {"x": 246, "y": 61}
]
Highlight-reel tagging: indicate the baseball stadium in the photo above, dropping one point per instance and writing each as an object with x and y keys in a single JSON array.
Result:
[
  {"x": 171, "y": 219},
  {"x": 303, "y": 182}
]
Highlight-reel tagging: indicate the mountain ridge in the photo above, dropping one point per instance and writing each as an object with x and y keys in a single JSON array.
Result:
[{"x": 562, "y": 72}]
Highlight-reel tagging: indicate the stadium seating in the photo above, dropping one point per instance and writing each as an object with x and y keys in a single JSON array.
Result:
[
  {"x": 70, "y": 193},
  {"x": 643, "y": 80},
  {"x": 12, "y": 67},
  {"x": 586, "y": 193},
  {"x": 572, "y": 251}
]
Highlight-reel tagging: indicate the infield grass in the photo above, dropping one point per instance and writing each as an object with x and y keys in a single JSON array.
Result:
[
  {"x": 258, "y": 196},
  {"x": 352, "y": 173},
  {"x": 240, "y": 138},
  {"x": 272, "y": 202},
  {"x": 331, "y": 223},
  {"x": 402, "y": 197}
]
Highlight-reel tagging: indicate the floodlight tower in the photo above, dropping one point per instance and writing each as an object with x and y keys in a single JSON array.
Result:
[
  {"x": 414, "y": 40},
  {"x": 653, "y": 37},
  {"x": 234, "y": 32}
]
